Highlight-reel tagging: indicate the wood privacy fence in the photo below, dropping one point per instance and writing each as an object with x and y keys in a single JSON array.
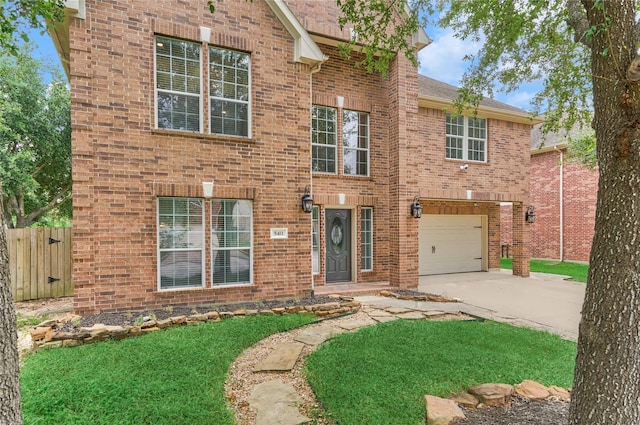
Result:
[{"x": 40, "y": 262}]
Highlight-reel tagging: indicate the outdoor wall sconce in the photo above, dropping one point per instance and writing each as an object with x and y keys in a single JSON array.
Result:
[
  {"x": 207, "y": 189},
  {"x": 416, "y": 208},
  {"x": 307, "y": 200},
  {"x": 530, "y": 215}
]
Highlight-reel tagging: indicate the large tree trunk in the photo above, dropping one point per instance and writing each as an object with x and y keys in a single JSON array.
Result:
[
  {"x": 10, "y": 412},
  {"x": 607, "y": 380}
]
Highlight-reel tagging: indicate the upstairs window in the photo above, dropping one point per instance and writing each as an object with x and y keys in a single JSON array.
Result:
[
  {"x": 466, "y": 138},
  {"x": 355, "y": 139},
  {"x": 177, "y": 84},
  {"x": 229, "y": 92},
  {"x": 324, "y": 137}
]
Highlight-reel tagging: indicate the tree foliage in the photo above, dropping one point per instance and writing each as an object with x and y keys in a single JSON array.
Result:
[
  {"x": 35, "y": 139},
  {"x": 20, "y": 16}
]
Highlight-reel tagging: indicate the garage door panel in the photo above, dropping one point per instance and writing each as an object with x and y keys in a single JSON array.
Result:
[{"x": 450, "y": 244}]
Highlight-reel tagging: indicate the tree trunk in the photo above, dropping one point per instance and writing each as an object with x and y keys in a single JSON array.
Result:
[
  {"x": 607, "y": 380},
  {"x": 10, "y": 412}
]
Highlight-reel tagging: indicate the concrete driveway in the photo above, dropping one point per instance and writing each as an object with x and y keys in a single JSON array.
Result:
[{"x": 543, "y": 301}]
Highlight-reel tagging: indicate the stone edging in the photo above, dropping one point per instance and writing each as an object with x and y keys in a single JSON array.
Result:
[
  {"x": 425, "y": 297},
  {"x": 48, "y": 334},
  {"x": 442, "y": 411}
]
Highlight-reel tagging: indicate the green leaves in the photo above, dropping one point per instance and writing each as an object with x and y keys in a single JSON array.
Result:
[
  {"x": 21, "y": 15},
  {"x": 35, "y": 139}
]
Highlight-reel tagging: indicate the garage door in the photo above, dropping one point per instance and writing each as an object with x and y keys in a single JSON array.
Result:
[{"x": 450, "y": 244}]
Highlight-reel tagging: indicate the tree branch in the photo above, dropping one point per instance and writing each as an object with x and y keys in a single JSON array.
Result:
[
  {"x": 63, "y": 195},
  {"x": 578, "y": 21}
]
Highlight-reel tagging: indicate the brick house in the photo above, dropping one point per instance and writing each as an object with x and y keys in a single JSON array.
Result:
[
  {"x": 564, "y": 193},
  {"x": 256, "y": 99}
]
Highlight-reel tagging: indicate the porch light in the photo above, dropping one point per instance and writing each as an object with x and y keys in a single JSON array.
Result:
[
  {"x": 416, "y": 208},
  {"x": 207, "y": 189},
  {"x": 530, "y": 215},
  {"x": 307, "y": 200}
]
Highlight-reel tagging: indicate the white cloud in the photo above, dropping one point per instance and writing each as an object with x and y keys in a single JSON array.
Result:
[{"x": 443, "y": 59}]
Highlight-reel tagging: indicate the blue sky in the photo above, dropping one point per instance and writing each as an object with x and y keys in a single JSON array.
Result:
[{"x": 442, "y": 60}]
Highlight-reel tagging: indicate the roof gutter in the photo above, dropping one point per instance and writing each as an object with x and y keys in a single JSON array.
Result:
[{"x": 482, "y": 111}]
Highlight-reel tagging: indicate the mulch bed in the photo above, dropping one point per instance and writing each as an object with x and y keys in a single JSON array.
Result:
[
  {"x": 130, "y": 318},
  {"x": 521, "y": 412}
]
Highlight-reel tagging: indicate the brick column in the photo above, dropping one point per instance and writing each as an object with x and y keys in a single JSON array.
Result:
[{"x": 520, "y": 242}]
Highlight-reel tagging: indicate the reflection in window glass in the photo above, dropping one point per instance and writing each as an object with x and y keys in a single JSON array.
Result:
[
  {"x": 177, "y": 84},
  {"x": 315, "y": 239},
  {"x": 180, "y": 242},
  {"x": 231, "y": 241},
  {"x": 366, "y": 236},
  {"x": 229, "y": 92},
  {"x": 323, "y": 139},
  {"x": 355, "y": 139}
]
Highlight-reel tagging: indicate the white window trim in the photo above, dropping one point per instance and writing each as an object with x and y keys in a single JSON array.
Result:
[
  {"x": 248, "y": 102},
  {"x": 465, "y": 141},
  {"x": 335, "y": 147},
  {"x": 357, "y": 149},
  {"x": 370, "y": 242},
  {"x": 159, "y": 251},
  {"x": 313, "y": 262},
  {"x": 235, "y": 284},
  {"x": 155, "y": 87}
]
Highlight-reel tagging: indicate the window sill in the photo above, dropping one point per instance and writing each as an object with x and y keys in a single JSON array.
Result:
[
  {"x": 201, "y": 288},
  {"x": 467, "y": 161},
  {"x": 202, "y": 136},
  {"x": 342, "y": 176}
]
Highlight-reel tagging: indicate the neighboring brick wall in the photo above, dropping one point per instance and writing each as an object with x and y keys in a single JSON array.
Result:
[{"x": 579, "y": 202}]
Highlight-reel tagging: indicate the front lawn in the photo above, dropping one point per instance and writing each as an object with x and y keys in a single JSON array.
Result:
[
  {"x": 171, "y": 377},
  {"x": 578, "y": 272},
  {"x": 380, "y": 374}
]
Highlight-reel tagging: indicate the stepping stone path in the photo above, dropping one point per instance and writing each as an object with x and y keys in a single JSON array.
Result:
[{"x": 275, "y": 402}]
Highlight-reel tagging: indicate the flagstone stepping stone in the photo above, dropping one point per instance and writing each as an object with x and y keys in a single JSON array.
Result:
[
  {"x": 281, "y": 359},
  {"x": 385, "y": 319},
  {"x": 434, "y": 313},
  {"x": 398, "y": 310},
  {"x": 315, "y": 335},
  {"x": 379, "y": 313},
  {"x": 276, "y": 404},
  {"x": 352, "y": 325},
  {"x": 412, "y": 315}
]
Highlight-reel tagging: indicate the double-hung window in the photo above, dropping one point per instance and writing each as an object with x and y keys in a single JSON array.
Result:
[
  {"x": 180, "y": 243},
  {"x": 324, "y": 139},
  {"x": 177, "y": 84},
  {"x": 366, "y": 239},
  {"x": 466, "y": 138},
  {"x": 231, "y": 241},
  {"x": 229, "y": 92},
  {"x": 180, "y": 87},
  {"x": 355, "y": 139}
]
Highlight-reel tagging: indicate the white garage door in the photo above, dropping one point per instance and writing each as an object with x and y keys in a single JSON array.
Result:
[{"x": 450, "y": 244}]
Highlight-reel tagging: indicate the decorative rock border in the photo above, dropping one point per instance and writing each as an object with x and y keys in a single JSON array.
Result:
[
  {"x": 424, "y": 297},
  {"x": 49, "y": 334},
  {"x": 441, "y": 411}
]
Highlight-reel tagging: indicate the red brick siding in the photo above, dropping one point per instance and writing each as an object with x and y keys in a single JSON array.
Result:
[{"x": 579, "y": 202}]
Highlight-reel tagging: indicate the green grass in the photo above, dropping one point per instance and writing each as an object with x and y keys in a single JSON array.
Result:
[
  {"x": 578, "y": 272},
  {"x": 167, "y": 377},
  {"x": 380, "y": 374}
]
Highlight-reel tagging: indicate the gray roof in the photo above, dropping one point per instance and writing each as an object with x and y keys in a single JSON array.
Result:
[{"x": 434, "y": 88}]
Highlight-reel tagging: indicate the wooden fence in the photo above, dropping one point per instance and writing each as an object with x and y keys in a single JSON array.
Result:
[{"x": 40, "y": 262}]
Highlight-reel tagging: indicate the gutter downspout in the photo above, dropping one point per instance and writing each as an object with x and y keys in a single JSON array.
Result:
[{"x": 312, "y": 71}]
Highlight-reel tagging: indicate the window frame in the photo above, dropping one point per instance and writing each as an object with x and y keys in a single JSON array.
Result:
[
  {"x": 156, "y": 89},
  {"x": 234, "y": 101},
  {"x": 160, "y": 250},
  {"x": 465, "y": 138},
  {"x": 315, "y": 132},
  {"x": 357, "y": 149},
  {"x": 366, "y": 238},
  {"x": 214, "y": 251},
  {"x": 315, "y": 240}
]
